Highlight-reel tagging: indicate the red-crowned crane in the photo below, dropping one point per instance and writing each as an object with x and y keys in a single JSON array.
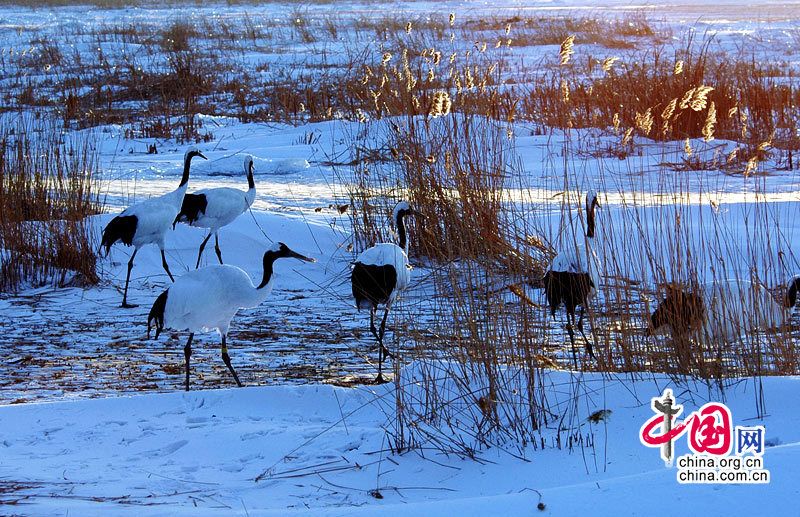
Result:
[
  {"x": 148, "y": 222},
  {"x": 208, "y": 298},
  {"x": 379, "y": 275},
  {"x": 217, "y": 207},
  {"x": 572, "y": 278}
]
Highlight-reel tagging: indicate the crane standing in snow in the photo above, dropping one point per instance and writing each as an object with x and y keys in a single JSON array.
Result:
[
  {"x": 572, "y": 279},
  {"x": 380, "y": 274},
  {"x": 217, "y": 207},
  {"x": 148, "y": 222},
  {"x": 209, "y": 298}
]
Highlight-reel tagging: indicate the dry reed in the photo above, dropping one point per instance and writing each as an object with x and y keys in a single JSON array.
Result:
[{"x": 47, "y": 189}]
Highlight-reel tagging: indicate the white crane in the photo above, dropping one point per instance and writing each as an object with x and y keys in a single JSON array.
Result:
[
  {"x": 148, "y": 222},
  {"x": 379, "y": 275},
  {"x": 207, "y": 299},
  {"x": 572, "y": 278},
  {"x": 217, "y": 207}
]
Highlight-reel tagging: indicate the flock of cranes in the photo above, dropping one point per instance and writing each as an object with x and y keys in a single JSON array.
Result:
[
  {"x": 207, "y": 299},
  {"x": 721, "y": 310}
]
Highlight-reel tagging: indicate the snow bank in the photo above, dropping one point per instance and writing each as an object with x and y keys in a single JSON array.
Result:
[{"x": 320, "y": 450}]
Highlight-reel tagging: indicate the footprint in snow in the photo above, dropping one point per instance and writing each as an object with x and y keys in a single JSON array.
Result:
[
  {"x": 353, "y": 445},
  {"x": 168, "y": 413},
  {"x": 193, "y": 401},
  {"x": 255, "y": 434},
  {"x": 196, "y": 422},
  {"x": 166, "y": 450},
  {"x": 251, "y": 457}
]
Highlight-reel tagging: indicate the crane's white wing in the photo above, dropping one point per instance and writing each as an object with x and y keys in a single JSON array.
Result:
[
  {"x": 154, "y": 218},
  {"x": 578, "y": 259},
  {"x": 208, "y": 298},
  {"x": 224, "y": 205}
]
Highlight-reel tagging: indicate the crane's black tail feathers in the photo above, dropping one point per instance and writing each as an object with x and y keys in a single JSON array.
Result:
[
  {"x": 156, "y": 317},
  {"x": 791, "y": 295},
  {"x": 571, "y": 289},
  {"x": 121, "y": 228},
  {"x": 372, "y": 285},
  {"x": 192, "y": 206}
]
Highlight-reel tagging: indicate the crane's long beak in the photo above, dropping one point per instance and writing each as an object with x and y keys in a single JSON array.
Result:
[
  {"x": 296, "y": 255},
  {"x": 201, "y": 155}
]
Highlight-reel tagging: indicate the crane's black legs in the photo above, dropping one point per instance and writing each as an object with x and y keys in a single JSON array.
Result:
[
  {"x": 383, "y": 352},
  {"x": 227, "y": 359},
  {"x": 187, "y": 353},
  {"x": 379, "y": 378},
  {"x": 216, "y": 247},
  {"x": 571, "y": 332},
  {"x": 372, "y": 324},
  {"x": 386, "y": 352},
  {"x": 589, "y": 348},
  {"x": 125, "y": 304},
  {"x": 580, "y": 328},
  {"x": 202, "y": 247},
  {"x": 166, "y": 267}
]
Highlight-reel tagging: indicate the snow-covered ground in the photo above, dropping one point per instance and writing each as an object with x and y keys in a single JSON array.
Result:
[
  {"x": 323, "y": 450},
  {"x": 93, "y": 420},
  {"x": 308, "y": 329},
  {"x": 76, "y": 342}
]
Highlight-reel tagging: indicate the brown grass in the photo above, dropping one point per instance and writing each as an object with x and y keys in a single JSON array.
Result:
[
  {"x": 47, "y": 188},
  {"x": 473, "y": 341},
  {"x": 759, "y": 103},
  {"x": 205, "y": 74},
  {"x": 481, "y": 337},
  {"x": 438, "y": 101}
]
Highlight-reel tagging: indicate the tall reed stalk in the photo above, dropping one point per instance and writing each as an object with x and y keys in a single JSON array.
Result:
[{"x": 48, "y": 187}]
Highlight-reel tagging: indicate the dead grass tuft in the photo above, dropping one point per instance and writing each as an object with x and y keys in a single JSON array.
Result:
[{"x": 47, "y": 189}]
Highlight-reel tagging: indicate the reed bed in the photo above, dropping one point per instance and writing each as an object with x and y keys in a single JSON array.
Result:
[
  {"x": 439, "y": 103},
  {"x": 481, "y": 338},
  {"x": 47, "y": 189},
  {"x": 156, "y": 77},
  {"x": 468, "y": 329}
]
